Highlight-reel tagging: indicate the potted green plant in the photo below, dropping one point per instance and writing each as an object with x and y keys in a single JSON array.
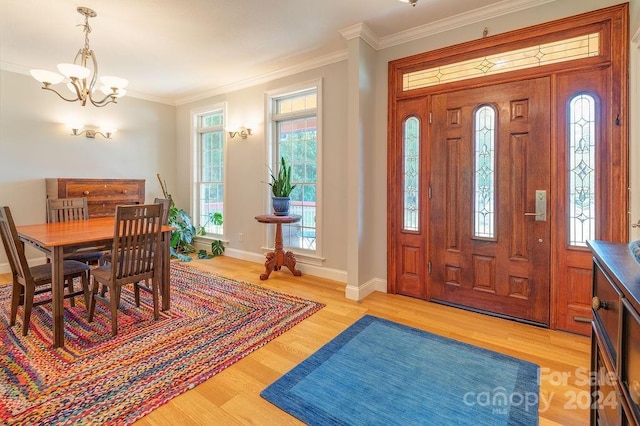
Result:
[
  {"x": 281, "y": 189},
  {"x": 181, "y": 244}
]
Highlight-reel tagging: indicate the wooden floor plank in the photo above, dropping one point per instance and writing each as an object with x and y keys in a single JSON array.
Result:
[{"x": 232, "y": 396}]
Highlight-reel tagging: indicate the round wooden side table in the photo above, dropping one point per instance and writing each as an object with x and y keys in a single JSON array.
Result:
[{"x": 279, "y": 258}]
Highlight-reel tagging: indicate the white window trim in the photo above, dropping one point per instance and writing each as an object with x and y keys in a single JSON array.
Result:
[
  {"x": 302, "y": 255},
  {"x": 195, "y": 164}
]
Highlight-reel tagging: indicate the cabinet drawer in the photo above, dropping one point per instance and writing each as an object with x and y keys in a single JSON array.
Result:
[
  {"x": 630, "y": 359},
  {"x": 104, "y": 192},
  {"x": 606, "y": 310},
  {"x": 104, "y": 209},
  {"x": 605, "y": 398}
]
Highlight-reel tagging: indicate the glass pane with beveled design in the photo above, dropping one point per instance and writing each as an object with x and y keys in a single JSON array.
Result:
[
  {"x": 580, "y": 47},
  {"x": 582, "y": 134},
  {"x": 484, "y": 173},
  {"x": 411, "y": 174}
]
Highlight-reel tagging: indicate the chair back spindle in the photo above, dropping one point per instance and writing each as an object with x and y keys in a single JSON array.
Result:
[
  {"x": 67, "y": 209},
  {"x": 137, "y": 241}
]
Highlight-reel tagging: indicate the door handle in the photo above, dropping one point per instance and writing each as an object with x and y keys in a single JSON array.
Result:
[{"x": 541, "y": 206}]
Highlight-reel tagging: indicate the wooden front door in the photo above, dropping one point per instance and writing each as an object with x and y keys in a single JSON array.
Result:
[
  {"x": 490, "y": 191},
  {"x": 457, "y": 232}
]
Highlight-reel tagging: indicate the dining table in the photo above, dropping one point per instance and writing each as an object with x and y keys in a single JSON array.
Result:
[{"x": 60, "y": 238}]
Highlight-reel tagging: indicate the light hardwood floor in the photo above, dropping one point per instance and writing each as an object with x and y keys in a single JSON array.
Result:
[{"x": 233, "y": 396}]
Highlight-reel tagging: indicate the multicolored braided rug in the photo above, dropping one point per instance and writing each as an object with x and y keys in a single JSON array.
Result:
[{"x": 99, "y": 379}]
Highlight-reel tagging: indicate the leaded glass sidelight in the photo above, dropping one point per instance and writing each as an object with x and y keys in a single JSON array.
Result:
[
  {"x": 411, "y": 173},
  {"x": 582, "y": 141},
  {"x": 484, "y": 208}
]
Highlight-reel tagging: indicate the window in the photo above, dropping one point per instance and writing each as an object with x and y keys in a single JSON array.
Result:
[
  {"x": 582, "y": 179},
  {"x": 294, "y": 117},
  {"x": 411, "y": 173},
  {"x": 484, "y": 173},
  {"x": 209, "y": 173},
  {"x": 580, "y": 47}
]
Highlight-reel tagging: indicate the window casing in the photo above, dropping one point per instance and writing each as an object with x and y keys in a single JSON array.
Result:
[
  {"x": 209, "y": 160},
  {"x": 295, "y": 124}
]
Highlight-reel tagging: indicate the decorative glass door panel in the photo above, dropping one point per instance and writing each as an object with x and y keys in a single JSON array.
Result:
[{"x": 491, "y": 252}]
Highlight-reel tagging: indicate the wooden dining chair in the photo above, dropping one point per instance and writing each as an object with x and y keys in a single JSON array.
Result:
[
  {"x": 166, "y": 208},
  {"x": 144, "y": 285},
  {"x": 67, "y": 209},
  {"x": 29, "y": 281},
  {"x": 70, "y": 209},
  {"x": 135, "y": 257}
]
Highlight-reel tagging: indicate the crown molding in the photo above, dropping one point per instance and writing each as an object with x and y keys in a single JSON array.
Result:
[
  {"x": 495, "y": 10},
  {"x": 18, "y": 69},
  {"x": 238, "y": 85},
  {"x": 360, "y": 30},
  {"x": 363, "y": 31},
  {"x": 264, "y": 78}
]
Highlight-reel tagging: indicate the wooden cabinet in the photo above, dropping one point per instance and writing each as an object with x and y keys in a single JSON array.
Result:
[
  {"x": 103, "y": 195},
  {"x": 615, "y": 341}
]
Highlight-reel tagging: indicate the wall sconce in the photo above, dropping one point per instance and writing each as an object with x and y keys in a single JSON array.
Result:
[
  {"x": 90, "y": 133},
  {"x": 243, "y": 132}
]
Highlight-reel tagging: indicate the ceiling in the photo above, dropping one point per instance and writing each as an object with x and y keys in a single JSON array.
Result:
[{"x": 175, "y": 51}]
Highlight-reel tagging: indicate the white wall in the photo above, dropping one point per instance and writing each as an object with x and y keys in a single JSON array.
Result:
[
  {"x": 35, "y": 144},
  {"x": 154, "y": 139},
  {"x": 246, "y": 168}
]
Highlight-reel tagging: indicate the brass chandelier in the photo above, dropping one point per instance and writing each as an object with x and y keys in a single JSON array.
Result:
[{"x": 78, "y": 74}]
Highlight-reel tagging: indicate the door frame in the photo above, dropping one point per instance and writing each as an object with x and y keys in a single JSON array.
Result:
[{"x": 612, "y": 25}]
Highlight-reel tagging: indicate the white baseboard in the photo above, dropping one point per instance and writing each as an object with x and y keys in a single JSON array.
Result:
[
  {"x": 360, "y": 292},
  {"x": 351, "y": 292},
  {"x": 305, "y": 268}
]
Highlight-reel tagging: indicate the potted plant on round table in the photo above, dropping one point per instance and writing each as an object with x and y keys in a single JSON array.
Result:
[{"x": 281, "y": 189}]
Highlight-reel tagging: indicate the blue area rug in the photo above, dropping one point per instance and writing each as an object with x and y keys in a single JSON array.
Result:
[{"x": 378, "y": 372}]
